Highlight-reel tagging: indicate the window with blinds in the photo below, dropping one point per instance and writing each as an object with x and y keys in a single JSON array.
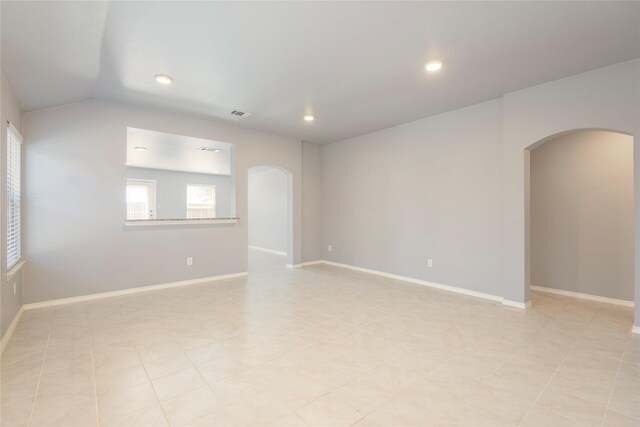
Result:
[
  {"x": 14, "y": 236},
  {"x": 201, "y": 201}
]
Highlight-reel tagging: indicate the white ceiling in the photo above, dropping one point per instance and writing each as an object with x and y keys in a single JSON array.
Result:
[
  {"x": 357, "y": 66},
  {"x": 177, "y": 152}
]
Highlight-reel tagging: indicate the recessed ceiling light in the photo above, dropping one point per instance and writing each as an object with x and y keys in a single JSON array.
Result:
[
  {"x": 309, "y": 118},
  {"x": 212, "y": 150},
  {"x": 140, "y": 148},
  {"x": 432, "y": 66},
  {"x": 164, "y": 79}
]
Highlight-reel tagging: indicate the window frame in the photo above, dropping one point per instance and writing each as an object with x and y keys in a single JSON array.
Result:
[
  {"x": 13, "y": 261},
  {"x": 213, "y": 186},
  {"x": 151, "y": 185}
]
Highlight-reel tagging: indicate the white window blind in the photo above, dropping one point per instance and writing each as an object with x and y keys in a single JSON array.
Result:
[
  {"x": 14, "y": 235},
  {"x": 201, "y": 201}
]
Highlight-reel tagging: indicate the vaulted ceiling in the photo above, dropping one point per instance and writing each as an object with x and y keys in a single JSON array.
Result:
[{"x": 356, "y": 66}]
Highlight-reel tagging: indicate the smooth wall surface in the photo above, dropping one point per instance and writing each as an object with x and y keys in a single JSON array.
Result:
[
  {"x": 396, "y": 197},
  {"x": 75, "y": 239},
  {"x": 582, "y": 236},
  {"x": 171, "y": 190},
  {"x": 267, "y": 209},
  {"x": 426, "y": 189},
  {"x": 9, "y": 303},
  {"x": 312, "y": 203},
  {"x": 607, "y": 98}
]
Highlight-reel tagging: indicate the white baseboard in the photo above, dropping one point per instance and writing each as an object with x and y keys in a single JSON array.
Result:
[
  {"x": 271, "y": 251},
  {"x": 306, "y": 263},
  {"x": 449, "y": 288},
  {"x": 582, "y": 296},
  {"x": 12, "y": 327},
  {"x": 635, "y": 329},
  {"x": 516, "y": 304},
  {"x": 417, "y": 281},
  {"x": 129, "y": 291}
]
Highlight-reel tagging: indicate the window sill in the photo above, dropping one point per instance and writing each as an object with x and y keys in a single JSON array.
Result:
[
  {"x": 154, "y": 222},
  {"x": 13, "y": 270}
]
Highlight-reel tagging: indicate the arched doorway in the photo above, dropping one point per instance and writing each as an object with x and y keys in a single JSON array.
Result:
[
  {"x": 270, "y": 216},
  {"x": 579, "y": 215}
]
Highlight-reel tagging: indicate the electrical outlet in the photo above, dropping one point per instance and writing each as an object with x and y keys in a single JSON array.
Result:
[
  {"x": 429, "y": 263},
  {"x": 15, "y": 289},
  {"x": 189, "y": 261},
  {"x": 329, "y": 248}
]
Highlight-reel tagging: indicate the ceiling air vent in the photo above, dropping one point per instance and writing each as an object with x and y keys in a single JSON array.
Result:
[{"x": 239, "y": 114}]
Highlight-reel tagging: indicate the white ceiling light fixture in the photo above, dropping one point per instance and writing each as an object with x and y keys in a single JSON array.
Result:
[
  {"x": 140, "y": 148},
  {"x": 309, "y": 118},
  {"x": 163, "y": 79},
  {"x": 433, "y": 66},
  {"x": 210, "y": 149}
]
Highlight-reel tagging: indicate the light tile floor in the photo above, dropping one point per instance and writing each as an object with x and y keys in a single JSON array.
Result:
[{"x": 321, "y": 346}]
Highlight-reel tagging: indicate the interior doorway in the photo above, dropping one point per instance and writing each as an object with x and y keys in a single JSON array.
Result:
[
  {"x": 581, "y": 215},
  {"x": 270, "y": 217}
]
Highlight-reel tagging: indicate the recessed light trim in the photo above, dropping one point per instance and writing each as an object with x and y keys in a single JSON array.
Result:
[
  {"x": 308, "y": 118},
  {"x": 163, "y": 79},
  {"x": 210, "y": 149},
  {"x": 140, "y": 148},
  {"x": 433, "y": 66}
]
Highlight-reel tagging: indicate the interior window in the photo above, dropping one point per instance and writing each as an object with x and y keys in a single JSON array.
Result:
[
  {"x": 141, "y": 195},
  {"x": 201, "y": 201},
  {"x": 194, "y": 178}
]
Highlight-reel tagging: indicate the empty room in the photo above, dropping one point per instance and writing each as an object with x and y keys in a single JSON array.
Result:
[{"x": 320, "y": 213}]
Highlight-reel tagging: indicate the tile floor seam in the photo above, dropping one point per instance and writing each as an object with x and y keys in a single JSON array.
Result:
[
  {"x": 394, "y": 394},
  {"x": 44, "y": 358},
  {"x": 210, "y": 389},
  {"x": 547, "y": 385},
  {"x": 553, "y": 335},
  {"x": 614, "y": 383},
  {"x": 93, "y": 372},
  {"x": 352, "y": 407},
  {"x": 152, "y": 387},
  {"x": 555, "y": 373}
]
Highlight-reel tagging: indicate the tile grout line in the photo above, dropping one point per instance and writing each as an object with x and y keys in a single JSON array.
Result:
[
  {"x": 392, "y": 396},
  {"x": 223, "y": 404},
  {"x": 150, "y": 383},
  {"x": 614, "y": 381},
  {"x": 93, "y": 371},
  {"x": 554, "y": 375},
  {"x": 514, "y": 352},
  {"x": 147, "y": 375},
  {"x": 44, "y": 358},
  {"x": 337, "y": 310}
]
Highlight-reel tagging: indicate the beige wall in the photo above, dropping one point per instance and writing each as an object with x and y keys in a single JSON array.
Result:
[
  {"x": 443, "y": 187},
  {"x": 582, "y": 214},
  {"x": 267, "y": 210},
  {"x": 428, "y": 189},
  {"x": 75, "y": 240},
  {"x": 606, "y": 98},
  {"x": 312, "y": 202}
]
